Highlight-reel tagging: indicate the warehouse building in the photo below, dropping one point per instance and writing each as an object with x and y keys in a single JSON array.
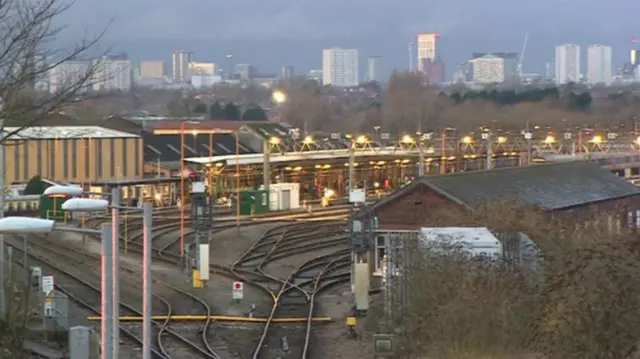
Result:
[{"x": 72, "y": 154}]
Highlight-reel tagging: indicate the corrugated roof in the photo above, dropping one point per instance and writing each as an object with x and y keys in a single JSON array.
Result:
[
  {"x": 551, "y": 186},
  {"x": 61, "y": 132},
  {"x": 268, "y": 130},
  {"x": 167, "y": 147}
]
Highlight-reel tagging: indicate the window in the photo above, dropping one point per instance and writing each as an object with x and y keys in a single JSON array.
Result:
[
  {"x": 52, "y": 158},
  {"x": 112, "y": 156},
  {"x": 25, "y": 160},
  {"x": 137, "y": 157},
  {"x": 99, "y": 158},
  {"x": 65, "y": 158},
  {"x": 39, "y": 159},
  {"x": 16, "y": 160},
  {"x": 125, "y": 167},
  {"x": 74, "y": 156},
  {"x": 87, "y": 162},
  {"x": 264, "y": 199}
]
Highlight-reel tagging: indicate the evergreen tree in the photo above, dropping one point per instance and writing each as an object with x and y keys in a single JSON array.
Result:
[
  {"x": 231, "y": 112},
  {"x": 216, "y": 111},
  {"x": 255, "y": 113},
  {"x": 200, "y": 108},
  {"x": 34, "y": 186}
]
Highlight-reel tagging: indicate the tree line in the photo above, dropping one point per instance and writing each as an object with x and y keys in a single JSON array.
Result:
[{"x": 231, "y": 112}]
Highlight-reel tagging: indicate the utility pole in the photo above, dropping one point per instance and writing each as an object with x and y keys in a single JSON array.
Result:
[
  {"x": 3, "y": 184},
  {"x": 266, "y": 165}
]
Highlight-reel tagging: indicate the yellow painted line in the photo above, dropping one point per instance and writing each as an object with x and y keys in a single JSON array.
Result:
[{"x": 221, "y": 318}]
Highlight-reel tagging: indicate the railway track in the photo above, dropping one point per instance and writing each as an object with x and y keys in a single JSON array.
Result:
[
  {"x": 294, "y": 295},
  {"x": 170, "y": 343}
]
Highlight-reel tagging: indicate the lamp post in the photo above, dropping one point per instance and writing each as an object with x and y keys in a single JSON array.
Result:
[
  {"x": 92, "y": 205},
  {"x": 24, "y": 225}
]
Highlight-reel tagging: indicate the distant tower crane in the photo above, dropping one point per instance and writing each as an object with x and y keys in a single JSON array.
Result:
[{"x": 524, "y": 48}]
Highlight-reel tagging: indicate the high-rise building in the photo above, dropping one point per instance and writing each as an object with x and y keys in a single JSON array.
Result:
[
  {"x": 152, "y": 69},
  {"x": 286, "y": 72},
  {"x": 433, "y": 70},
  {"x": 373, "y": 69},
  {"x": 494, "y": 67},
  {"x": 111, "y": 73},
  {"x": 567, "y": 63},
  {"x": 427, "y": 46},
  {"x": 246, "y": 72},
  {"x": 599, "y": 64},
  {"x": 202, "y": 68},
  {"x": 69, "y": 73},
  {"x": 181, "y": 61},
  {"x": 340, "y": 67}
]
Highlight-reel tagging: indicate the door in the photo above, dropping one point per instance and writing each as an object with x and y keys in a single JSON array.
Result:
[{"x": 286, "y": 199}]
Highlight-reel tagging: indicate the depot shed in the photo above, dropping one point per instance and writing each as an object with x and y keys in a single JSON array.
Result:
[
  {"x": 284, "y": 196},
  {"x": 572, "y": 191}
]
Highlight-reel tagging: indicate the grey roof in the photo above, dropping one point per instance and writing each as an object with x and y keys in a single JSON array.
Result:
[{"x": 551, "y": 186}]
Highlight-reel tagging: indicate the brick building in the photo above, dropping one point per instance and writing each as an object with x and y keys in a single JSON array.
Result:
[{"x": 576, "y": 190}]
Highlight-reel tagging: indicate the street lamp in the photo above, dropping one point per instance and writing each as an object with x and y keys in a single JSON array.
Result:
[
  {"x": 279, "y": 97},
  {"x": 23, "y": 225},
  {"x": 94, "y": 205}
]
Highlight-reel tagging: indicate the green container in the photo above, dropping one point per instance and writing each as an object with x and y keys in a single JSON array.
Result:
[
  {"x": 51, "y": 207},
  {"x": 253, "y": 202}
]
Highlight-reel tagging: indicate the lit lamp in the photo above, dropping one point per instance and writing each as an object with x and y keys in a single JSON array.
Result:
[
  {"x": 549, "y": 140},
  {"x": 467, "y": 140},
  {"x": 407, "y": 140},
  {"x": 279, "y": 97},
  {"x": 596, "y": 140}
]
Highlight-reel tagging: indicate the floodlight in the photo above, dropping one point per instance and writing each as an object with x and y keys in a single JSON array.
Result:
[
  {"x": 26, "y": 225},
  {"x": 66, "y": 190},
  {"x": 85, "y": 205}
]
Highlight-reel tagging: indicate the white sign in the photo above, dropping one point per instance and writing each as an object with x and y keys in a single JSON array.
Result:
[
  {"x": 48, "y": 309},
  {"x": 238, "y": 290},
  {"x": 357, "y": 196},
  {"x": 612, "y": 136},
  {"x": 36, "y": 271},
  {"x": 485, "y": 136},
  {"x": 528, "y": 136},
  {"x": 48, "y": 284},
  {"x": 385, "y": 136},
  {"x": 567, "y": 135}
]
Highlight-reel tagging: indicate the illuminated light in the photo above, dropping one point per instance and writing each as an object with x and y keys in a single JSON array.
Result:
[
  {"x": 298, "y": 168},
  {"x": 361, "y": 139},
  {"x": 348, "y": 136},
  {"x": 329, "y": 193},
  {"x": 473, "y": 156},
  {"x": 536, "y": 127},
  {"x": 502, "y": 139},
  {"x": 279, "y": 97},
  {"x": 308, "y": 140},
  {"x": 405, "y": 161},
  {"x": 288, "y": 168},
  {"x": 550, "y": 140},
  {"x": 346, "y": 165},
  {"x": 158, "y": 196},
  {"x": 429, "y": 159},
  {"x": 451, "y": 158},
  {"x": 274, "y": 140},
  {"x": 637, "y": 141},
  {"x": 397, "y": 161},
  {"x": 380, "y": 163},
  {"x": 355, "y": 164},
  {"x": 219, "y": 164},
  {"x": 194, "y": 132},
  {"x": 406, "y": 139},
  {"x": 596, "y": 139},
  {"x": 318, "y": 166},
  {"x": 372, "y": 162},
  {"x": 326, "y": 167},
  {"x": 467, "y": 139}
]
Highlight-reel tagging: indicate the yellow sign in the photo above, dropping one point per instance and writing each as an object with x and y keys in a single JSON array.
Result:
[
  {"x": 49, "y": 299},
  {"x": 197, "y": 283}
]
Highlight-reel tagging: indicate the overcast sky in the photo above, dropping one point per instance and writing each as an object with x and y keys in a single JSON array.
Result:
[{"x": 250, "y": 28}]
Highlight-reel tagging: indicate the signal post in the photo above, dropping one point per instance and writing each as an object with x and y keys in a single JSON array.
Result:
[{"x": 202, "y": 215}]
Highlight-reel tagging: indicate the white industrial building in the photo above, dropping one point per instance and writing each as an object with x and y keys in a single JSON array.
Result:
[
  {"x": 111, "y": 74},
  {"x": 69, "y": 73},
  {"x": 599, "y": 65},
  {"x": 493, "y": 69},
  {"x": 567, "y": 64},
  {"x": 340, "y": 67}
]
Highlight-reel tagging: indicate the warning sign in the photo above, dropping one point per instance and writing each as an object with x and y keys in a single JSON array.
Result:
[{"x": 238, "y": 290}]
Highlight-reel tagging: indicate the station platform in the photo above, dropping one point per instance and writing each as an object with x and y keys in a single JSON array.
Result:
[{"x": 220, "y": 318}]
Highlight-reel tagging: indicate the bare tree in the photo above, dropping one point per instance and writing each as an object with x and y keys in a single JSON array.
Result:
[{"x": 27, "y": 58}]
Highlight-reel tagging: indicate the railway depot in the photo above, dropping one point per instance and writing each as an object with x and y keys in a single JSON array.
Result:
[{"x": 148, "y": 163}]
